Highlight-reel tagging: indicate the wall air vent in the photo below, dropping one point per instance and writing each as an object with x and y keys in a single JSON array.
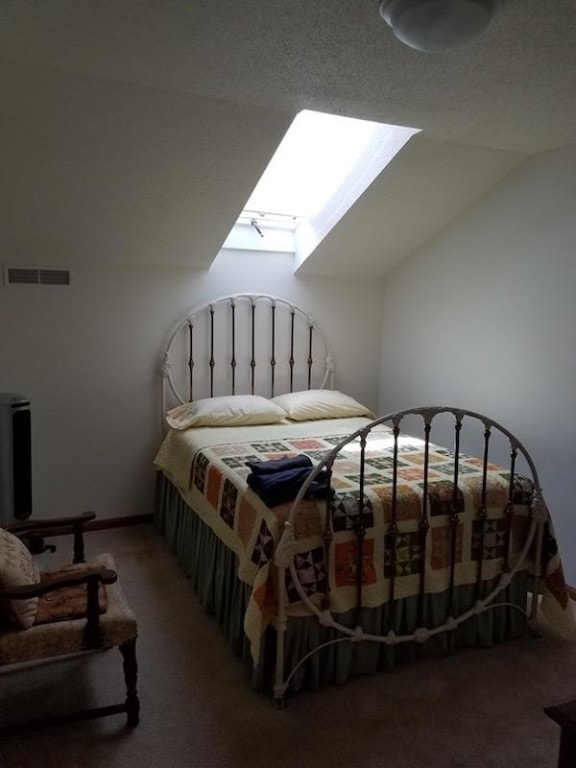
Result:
[{"x": 35, "y": 276}]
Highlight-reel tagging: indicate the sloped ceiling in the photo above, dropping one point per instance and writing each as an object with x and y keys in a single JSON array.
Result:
[{"x": 133, "y": 131}]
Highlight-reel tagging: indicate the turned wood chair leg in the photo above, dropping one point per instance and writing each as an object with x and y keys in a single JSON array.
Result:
[
  {"x": 565, "y": 716},
  {"x": 128, "y": 651}
]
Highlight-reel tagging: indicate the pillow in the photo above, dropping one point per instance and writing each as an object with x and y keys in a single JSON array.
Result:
[
  {"x": 17, "y": 569},
  {"x": 230, "y": 411},
  {"x": 320, "y": 404}
]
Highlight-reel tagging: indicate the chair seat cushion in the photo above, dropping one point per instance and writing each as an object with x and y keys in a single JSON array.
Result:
[
  {"x": 67, "y": 602},
  {"x": 118, "y": 626}
]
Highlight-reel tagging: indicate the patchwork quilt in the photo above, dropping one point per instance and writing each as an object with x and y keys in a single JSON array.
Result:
[{"x": 212, "y": 479}]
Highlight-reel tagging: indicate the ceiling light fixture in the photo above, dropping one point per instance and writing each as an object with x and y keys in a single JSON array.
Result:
[{"x": 437, "y": 25}]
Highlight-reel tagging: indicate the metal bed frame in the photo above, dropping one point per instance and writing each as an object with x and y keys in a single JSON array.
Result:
[
  {"x": 284, "y": 558},
  {"x": 207, "y": 353},
  {"x": 261, "y": 344}
]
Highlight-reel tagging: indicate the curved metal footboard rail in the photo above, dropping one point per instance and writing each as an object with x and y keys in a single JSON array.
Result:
[{"x": 511, "y": 561}]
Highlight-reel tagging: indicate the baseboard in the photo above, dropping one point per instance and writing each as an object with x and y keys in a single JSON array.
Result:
[
  {"x": 94, "y": 525},
  {"x": 118, "y": 522}
]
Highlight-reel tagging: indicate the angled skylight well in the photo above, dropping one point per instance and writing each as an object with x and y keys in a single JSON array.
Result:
[{"x": 321, "y": 167}]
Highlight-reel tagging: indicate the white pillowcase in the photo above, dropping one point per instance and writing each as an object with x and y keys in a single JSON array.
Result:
[
  {"x": 227, "y": 411},
  {"x": 313, "y": 404}
]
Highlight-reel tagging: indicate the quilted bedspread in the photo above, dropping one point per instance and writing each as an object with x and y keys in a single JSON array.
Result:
[{"x": 209, "y": 469}]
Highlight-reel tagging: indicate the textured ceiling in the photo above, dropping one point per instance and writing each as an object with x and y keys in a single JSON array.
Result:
[{"x": 134, "y": 131}]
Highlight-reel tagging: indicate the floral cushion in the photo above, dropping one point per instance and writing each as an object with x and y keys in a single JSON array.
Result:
[
  {"x": 67, "y": 602},
  {"x": 17, "y": 569}
]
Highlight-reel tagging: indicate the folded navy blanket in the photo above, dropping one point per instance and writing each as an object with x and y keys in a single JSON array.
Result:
[
  {"x": 279, "y": 465},
  {"x": 277, "y": 487}
]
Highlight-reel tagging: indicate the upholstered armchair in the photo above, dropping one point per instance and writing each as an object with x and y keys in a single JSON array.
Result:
[{"x": 45, "y": 615}]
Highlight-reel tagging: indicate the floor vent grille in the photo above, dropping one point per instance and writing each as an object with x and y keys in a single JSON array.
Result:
[{"x": 33, "y": 276}]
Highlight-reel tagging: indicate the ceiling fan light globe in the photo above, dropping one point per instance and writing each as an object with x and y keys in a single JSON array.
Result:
[{"x": 437, "y": 25}]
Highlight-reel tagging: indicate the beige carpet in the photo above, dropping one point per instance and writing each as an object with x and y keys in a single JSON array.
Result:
[{"x": 476, "y": 708}]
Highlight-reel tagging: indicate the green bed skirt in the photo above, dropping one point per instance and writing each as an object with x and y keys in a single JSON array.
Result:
[{"x": 213, "y": 569}]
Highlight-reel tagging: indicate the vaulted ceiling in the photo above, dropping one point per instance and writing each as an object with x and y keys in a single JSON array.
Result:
[{"x": 133, "y": 131}]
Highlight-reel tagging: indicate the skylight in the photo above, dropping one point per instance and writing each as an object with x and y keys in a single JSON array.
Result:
[{"x": 321, "y": 167}]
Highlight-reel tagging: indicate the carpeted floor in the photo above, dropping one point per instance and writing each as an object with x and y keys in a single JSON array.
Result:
[{"x": 478, "y": 708}]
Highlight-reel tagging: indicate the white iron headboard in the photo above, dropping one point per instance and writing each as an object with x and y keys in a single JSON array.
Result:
[{"x": 247, "y": 343}]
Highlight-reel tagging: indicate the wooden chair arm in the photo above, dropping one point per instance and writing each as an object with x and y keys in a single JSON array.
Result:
[
  {"x": 32, "y": 532},
  {"x": 45, "y": 526},
  {"x": 100, "y": 575}
]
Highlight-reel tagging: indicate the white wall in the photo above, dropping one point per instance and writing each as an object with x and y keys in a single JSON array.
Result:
[
  {"x": 88, "y": 357},
  {"x": 484, "y": 317}
]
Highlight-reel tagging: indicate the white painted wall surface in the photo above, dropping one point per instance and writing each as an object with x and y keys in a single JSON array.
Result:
[
  {"x": 88, "y": 358},
  {"x": 484, "y": 317}
]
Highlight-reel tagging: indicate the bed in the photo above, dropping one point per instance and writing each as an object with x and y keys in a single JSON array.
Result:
[{"x": 328, "y": 542}]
